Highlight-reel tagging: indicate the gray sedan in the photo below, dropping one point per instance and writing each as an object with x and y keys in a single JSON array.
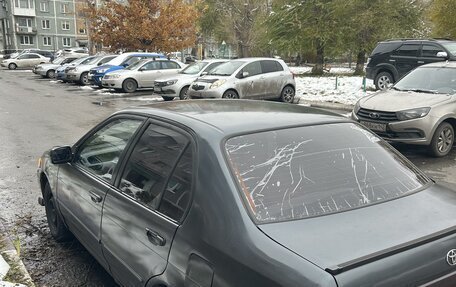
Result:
[
  {"x": 420, "y": 109},
  {"x": 247, "y": 193}
]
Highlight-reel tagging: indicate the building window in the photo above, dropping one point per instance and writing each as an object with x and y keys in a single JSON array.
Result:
[
  {"x": 23, "y": 3},
  {"x": 47, "y": 41},
  {"x": 66, "y": 42},
  {"x": 44, "y": 7},
  {"x": 7, "y": 24},
  {"x": 26, "y": 40},
  {"x": 64, "y": 8},
  {"x": 8, "y": 39},
  {"x": 24, "y": 22},
  {"x": 46, "y": 24},
  {"x": 65, "y": 25}
]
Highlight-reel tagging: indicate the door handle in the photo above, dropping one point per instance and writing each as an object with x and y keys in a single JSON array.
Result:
[
  {"x": 155, "y": 237},
  {"x": 420, "y": 62},
  {"x": 95, "y": 197}
]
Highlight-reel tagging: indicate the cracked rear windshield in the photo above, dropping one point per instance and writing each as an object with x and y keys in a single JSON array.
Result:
[{"x": 316, "y": 170}]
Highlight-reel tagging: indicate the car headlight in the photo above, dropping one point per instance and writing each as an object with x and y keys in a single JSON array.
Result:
[
  {"x": 412, "y": 114},
  {"x": 356, "y": 107},
  {"x": 170, "y": 82},
  {"x": 217, "y": 84},
  {"x": 114, "y": 76}
]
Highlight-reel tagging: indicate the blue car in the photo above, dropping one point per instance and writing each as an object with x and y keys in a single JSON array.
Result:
[{"x": 119, "y": 63}]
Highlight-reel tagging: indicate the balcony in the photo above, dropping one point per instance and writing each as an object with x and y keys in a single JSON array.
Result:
[
  {"x": 30, "y": 12},
  {"x": 26, "y": 30}
]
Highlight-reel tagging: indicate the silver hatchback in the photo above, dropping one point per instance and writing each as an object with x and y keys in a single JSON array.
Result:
[
  {"x": 419, "y": 109},
  {"x": 248, "y": 78}
]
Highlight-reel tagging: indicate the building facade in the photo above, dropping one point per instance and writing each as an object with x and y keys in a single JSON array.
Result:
[{"x": 42, "y": 24}]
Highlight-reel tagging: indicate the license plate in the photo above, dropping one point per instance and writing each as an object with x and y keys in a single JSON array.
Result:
[
  {"x": 374, "y": 126},
  {"x": 157, "y": 89}
]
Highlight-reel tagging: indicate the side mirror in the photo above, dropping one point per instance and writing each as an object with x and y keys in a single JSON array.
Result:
[
  {"x": 442, "y": 55},
  {"x": 204, "y": 73},
  {"x": 245, "y": 74},
  {"x": 61, "y": 155},
  {"x": 99, "y": 64}
]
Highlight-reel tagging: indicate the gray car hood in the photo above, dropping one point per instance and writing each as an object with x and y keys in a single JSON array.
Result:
[
  {"x": 393, "y": 101},
  {"x": 341, "y": 238}
]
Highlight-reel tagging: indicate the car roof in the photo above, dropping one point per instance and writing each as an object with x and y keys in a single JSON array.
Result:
[
  {"x": 418, "y": 40},
  {"x": 236, "y": 116},
  {"x": 441, "y": 64}
]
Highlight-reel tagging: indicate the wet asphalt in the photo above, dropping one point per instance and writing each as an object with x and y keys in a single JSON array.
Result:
[{"x": 36, "y": 114}]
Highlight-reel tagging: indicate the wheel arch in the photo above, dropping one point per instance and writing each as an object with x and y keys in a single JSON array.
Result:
[
  {"x": 130, "y": 78},
  {"x": 387, "y": 68},
  {"x": 451, "y": 119},
  {"x": 43, "y": 181},
  {"x": 232, "y": 89}
]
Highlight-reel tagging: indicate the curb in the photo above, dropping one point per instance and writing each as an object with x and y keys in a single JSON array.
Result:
[
  {"x": 325, "y": 105},
  {"x": 9, "y": 254}
]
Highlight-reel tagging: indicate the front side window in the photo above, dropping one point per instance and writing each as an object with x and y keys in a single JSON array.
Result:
[
  {"x": 154, "y": 65},
  {"x": 430, "y": 50},
  {"x": 100, "y": 153},
  {"x": 310, "y": 171},
  {"x": 408, "y": 50},
  {"x": 151, "y": 163},
  {"x": 253, "y": 69}
]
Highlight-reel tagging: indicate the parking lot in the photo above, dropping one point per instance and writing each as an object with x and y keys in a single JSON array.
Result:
[{"x": 36, "y": 114}]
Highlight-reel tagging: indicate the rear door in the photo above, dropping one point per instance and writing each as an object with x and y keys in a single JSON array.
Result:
[
  {"x": 141, "y": 215},
  {"x": 35, "y": 60},
  {"x": 405, "y": 58},
  {"x": 274, "y": 78},
  {"x": 429, "y": 54}
]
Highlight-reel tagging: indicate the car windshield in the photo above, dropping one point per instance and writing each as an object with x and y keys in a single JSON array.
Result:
[
  {"x": 194, "y": 68},
  {"x": 433, "y": 80},
  {"x": 451, "y": 47},
  {"x": 138, "y": 63},
  {"x": 303, "y": 172},
  {"x": 92, "y": 60},
  {"x": 226, "y": 69},
  {"x": 58, "y": 61}
]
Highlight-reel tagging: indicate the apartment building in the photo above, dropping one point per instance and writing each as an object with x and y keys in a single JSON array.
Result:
[{"x": 42, "y": 24}]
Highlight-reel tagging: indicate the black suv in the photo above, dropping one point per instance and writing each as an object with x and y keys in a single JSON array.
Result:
[{"x": 392, "y": 59}]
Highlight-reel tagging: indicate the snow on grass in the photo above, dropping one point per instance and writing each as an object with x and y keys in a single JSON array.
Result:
[
  {"x": 323, "y": 89},
  {"x": 308, "y": 70},
  {"x": 146, "y": 99}
]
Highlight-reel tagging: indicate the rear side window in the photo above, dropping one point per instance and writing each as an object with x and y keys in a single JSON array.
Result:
[
  {"x": 311, "y": 171},
  {"x": 154, "y": 65},
  {"x": 430, "y": 50},
  {"x": 169, "y": 65},
  {"x": 270, "y": 66},
  {"x": 408, "y": 50},
  {"x": 151, "y": 163},
  {"x": 385, "y": 48}
]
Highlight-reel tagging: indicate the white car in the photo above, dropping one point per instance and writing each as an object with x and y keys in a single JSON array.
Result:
[
  {"x": 25, "y": 61},
  {"x": 80, "y": 74},
  {"x": 48, "y": 70},
  {"x": 141, "y": 74},
  {"x": 177, "y": 85}
]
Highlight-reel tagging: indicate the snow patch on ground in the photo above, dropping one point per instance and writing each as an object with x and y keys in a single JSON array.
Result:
[
  {"x": 145, "y": 99},
  {"x": 21, "y": 71},
  {"x": 86, "y": 88},
  {"x": 323, "y": 89},
  {"x": 335, "y": 70}
]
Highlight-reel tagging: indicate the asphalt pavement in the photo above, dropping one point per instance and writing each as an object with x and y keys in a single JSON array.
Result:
[{"x": 37, "y": 114}]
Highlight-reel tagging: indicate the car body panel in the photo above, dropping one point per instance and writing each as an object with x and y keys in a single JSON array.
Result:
[{"x": 74, "y": 74}]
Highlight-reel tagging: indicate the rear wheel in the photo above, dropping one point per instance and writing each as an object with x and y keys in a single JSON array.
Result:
[
  {"x": 230, "y": 94},
  {"x": 287, "y": 95},
  {"x": 129, "y": 86},
  {"x": 383, "y": 80},
  {"x": 50, "y": 74},
  {"x": 183, "y": 95},
  {"x": 12, "y": 66},
  {"x": 55, "y": 222},
  {"x": 443, "y": 140},
  {"x": 84, "y": 79}
]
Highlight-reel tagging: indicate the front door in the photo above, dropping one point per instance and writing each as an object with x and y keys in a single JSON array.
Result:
[
  {"x": 82, "y": 184},
  {"x": 141, "y": 216},
  {"x": 429, "y": 54},
  {"x": 252, "y": 86},
  {"x": 148, "y": 73}
]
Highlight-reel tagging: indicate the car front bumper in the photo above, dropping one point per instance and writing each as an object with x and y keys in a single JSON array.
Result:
[
  {"x": 112, "y": 83},
  {"x": 73, "y": 76},
  {"x": 416, "y": 131},
  {"x": 206, "y": 93}
]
